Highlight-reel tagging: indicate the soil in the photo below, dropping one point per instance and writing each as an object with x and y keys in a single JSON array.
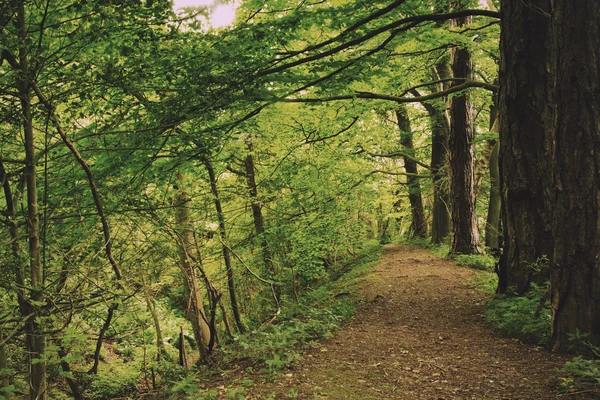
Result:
[{"x": 419, "y": 334}]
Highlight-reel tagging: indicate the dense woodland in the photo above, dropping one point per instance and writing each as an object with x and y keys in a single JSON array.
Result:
[{"x": 171, "y": 190}]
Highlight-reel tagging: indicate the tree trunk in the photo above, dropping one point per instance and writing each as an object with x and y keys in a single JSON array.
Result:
[
  {"x": 4, "y": 378},
  {"x": 419, "y": 223},
  {"x": 575, "y": 266},
  {"x": 257, "y": 216},
  {"x": 440, "y": 132},
  {"x": 34, "y": 331},
  {"x": 440, "y": 225},
  {"x": 160, "y": 345},
  {"x": 68, "y": 374},
  {"x": 482, "y": 163},
  {"x": 194, "y": 299},
  {"x": 493, "y": 215},
  {"x": 465, "y": 233},
  {"x": 226, "y": 252},
  {"x": 525, "y": 116}
]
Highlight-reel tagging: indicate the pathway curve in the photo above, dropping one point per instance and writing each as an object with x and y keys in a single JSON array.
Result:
[{"x": 419, "y": 335}]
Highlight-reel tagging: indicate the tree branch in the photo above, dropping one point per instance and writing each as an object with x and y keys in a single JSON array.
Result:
[
  {"x": 90, "y": 176},
  {"x": 396, "y": 25},
  {"x": 378, "y": 171},
  {"x": 399, "y": 154},
  {"x": 376, "y": 96}
]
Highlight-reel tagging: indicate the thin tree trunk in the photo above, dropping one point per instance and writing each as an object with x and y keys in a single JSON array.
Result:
[
  {"x": 259, "y": 221},
  {"x": 440, "y": 131},
  {"x": 5, "y": 382},
  {"x": 226, "y": 253},
  {"x": 213, "y": 294},
  {"x": 160, "y": 345},
  {"x": 494, "y": 205},
  {"x": 35, "y": 337},
  {"x": 419, "y": 223},
  {"x": 194, "y": 307},
  {"x": 465, "y": 233},
  {"x": 575, "y": 271},
  {"x": 482, "y": 163},
  {"x": 182, "y": 356},
  {"x": 525, "y": 117},
  {"x": 109, "y": 316},
  {"x": 24, "y": 307},
  {"x": 68, "y": 374}
]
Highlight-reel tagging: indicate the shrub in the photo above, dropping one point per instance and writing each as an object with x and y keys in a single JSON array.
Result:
[
  {"x": 483, "y": 262},
  {"x": 582, "y": 373},
  {"x": 517, "y": 316}
]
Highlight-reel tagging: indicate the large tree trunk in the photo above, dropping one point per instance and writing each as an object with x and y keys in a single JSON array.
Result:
[
  {"x": 575, "y": 272},
  {"x": 419, "y": 223},
  {"x": 465, "y": 233},
  {"x": 194, "y": 298},
  {"x": 525, "y": 116},
  {"x": 226, "y": 251}
]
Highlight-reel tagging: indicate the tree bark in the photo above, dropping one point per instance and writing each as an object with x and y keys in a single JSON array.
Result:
[
  {"x": 440, "y": 131},
  {"x": 160, "y": 345},
  {"x": 525, "y": 116},
  {"x": 575, "y": 265},
  {"x": 440, "y": 128},
  {"x": 226, "y": 252},
  {"x": 194, "y": 299},
  {"x": 482, "y": 163},
  {"x": 419, "y": 223},
  {"x": 465, "y": 233},
  {"x": 34, "y": 331},
  {"x": 257, "y": 215},
  {"x": 4, "y": 378},
  {"x": 492, "y": 224}
]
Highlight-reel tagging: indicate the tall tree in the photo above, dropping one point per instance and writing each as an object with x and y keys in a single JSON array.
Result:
[
  {"x": 419, "y": 223},
  {"x": 465, "y": 233},
  {"x": 525, "y": 118},
  {"x": 492, "y": 223},
  {"x": 32, "y": 310},
  {"x": 226, "y": 250},
  {"x": 575, "y": 271},
  {"x": 194, "y": 300}
]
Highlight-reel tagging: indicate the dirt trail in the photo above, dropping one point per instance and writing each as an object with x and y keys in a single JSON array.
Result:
[{"x": 419, "y": 335}]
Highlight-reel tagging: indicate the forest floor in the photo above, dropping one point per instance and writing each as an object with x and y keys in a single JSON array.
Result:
[{"x": 419, "y": 334}]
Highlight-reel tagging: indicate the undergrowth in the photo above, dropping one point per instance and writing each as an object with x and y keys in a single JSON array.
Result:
[
  {"x": 582, "y": 373},
  {"x": 517, "y": 316},
  {"x": 272, "y": 347},
  {"x": 484, "y": 262},
  {"x": 316, "y": 315},
  {"x": 522, "y": 318}
]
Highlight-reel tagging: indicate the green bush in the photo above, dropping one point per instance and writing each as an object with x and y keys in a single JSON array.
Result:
[
  {"x": 485, "y": 282},
  {"x": 109, "y": 386},
  {"x": 483, "y": 262},
  {"x": 582, "y": 373},
  {"x": 517, "y": 317}
]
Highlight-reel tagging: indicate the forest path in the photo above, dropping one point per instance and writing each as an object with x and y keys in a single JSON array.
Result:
[{"x": 419, "y": 335}]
